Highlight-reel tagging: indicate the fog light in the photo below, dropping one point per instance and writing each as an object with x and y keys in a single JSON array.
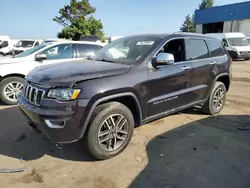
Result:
[{"x": 54, "y": 124}]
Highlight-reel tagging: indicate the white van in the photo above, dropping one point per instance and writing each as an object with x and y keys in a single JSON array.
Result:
[
  {"x": 235, "y": 43},
  {"x": 23, "y": 45},
  {"x": 6, "y": 45}
]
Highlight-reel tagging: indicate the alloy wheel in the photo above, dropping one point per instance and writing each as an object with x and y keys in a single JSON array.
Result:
[
  {"x": 12, "y": 89},
  {"x": 218, "y": 99},
  {"x": 113, "y": 132}
]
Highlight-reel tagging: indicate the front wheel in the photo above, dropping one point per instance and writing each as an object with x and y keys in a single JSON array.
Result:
[
  {"x": 10, "y": 88},
  {"x": 216, "y": 100},
  {"x": 110, "y": 130}
]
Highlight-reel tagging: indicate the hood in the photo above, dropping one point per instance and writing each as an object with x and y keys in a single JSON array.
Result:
[
  {"x": 67, "y": 74},
  {"x": 11, "y": 60},
  {"x": 242, "y": 48},
  {"x": 21, "y": 48}
]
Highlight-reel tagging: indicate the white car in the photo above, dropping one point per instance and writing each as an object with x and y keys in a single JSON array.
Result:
[
  {"x": 23, "y": 45},
  {"x": 13, "y": 70},
  {"x": 6, "y": 45},
  {"x": 235, "y": 43}
]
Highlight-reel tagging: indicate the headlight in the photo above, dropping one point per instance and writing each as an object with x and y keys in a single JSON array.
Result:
[{"x": 63, "y": 94}]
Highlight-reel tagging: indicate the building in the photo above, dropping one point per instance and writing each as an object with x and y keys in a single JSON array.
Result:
[{"x": 226, "y": 18}]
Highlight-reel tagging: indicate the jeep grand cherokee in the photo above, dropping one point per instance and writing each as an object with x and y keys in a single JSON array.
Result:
[{"x": 129, "y": 82}]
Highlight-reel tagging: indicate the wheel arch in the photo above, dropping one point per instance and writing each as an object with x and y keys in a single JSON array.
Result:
[
  {"x": 11, "y": 75},
  {"x": 128, "y": 99},
  {"x": 225, "y": 79}
]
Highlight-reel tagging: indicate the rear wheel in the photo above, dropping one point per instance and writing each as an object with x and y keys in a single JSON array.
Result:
[
  {"x": 216, "y": 100},
  {"x": 110, "y": 130},
  {"x": 246, "y": 59},
  {"x": 10, "y": 88},
  {"x": 1, "y": 54}
]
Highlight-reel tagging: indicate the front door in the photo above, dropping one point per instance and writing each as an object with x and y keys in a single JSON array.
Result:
[
  {"x": 58, "y": 53},
  {"x": 169, "y": 84}
]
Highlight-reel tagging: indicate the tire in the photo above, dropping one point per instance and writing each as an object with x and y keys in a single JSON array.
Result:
[
  {"x": 101, "y": 114},
  {"x": 246, "y": 59},
  {"x": 1, "y": 54},
  {"x": 209, "y": 107},
  {"x": 17, "y": 84}
]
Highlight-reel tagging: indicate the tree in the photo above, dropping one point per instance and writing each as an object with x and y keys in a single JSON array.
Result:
[
  {"x": 188, "y": 25},
  {"x": 77, "y": 19},
  {"x": 206, "y": 4}
]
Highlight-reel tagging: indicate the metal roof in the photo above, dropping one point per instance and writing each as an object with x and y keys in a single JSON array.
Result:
[{"x": 237, "y": 11}]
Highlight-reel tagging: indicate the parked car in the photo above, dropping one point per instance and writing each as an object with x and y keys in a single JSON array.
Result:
[
  {"x": 23, "y": 45},
  {"x": 235, "y": 43},
  {"x": 14, "y": 70},
  {"x": 129, "y": 82},
  {"x": 6, "y": 45}
]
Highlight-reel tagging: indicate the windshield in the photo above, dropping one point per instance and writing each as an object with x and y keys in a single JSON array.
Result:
[
  {"x": 31, "y": 51},
  {"x": 25, "y": 43},
  {"x": 127, "y": 50},
  {"x": 241, "y": 41}
]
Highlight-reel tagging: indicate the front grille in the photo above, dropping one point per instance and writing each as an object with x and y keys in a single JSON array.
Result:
[{"x": 33, "y": 94}]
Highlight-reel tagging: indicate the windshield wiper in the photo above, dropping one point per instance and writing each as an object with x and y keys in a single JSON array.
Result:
[{"x": 105, "y": 60}]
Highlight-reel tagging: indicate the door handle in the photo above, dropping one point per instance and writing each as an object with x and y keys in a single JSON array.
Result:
[
  {"x": 213, "y": 62},
  {"x": 186, "y": 68}
]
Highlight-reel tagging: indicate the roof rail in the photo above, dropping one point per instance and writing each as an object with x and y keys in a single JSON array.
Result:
[{"x": 180, "y": 32}]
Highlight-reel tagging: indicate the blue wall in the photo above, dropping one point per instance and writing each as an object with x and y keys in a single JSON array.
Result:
[{"x": 237, "y": 11}]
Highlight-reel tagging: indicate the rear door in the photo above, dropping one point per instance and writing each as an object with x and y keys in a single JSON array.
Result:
[{"x": 202, "y": 63}]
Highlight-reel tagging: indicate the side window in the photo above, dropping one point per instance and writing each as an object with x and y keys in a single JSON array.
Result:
[
  {"x": 87, "y": 49},
  {"x": 197, "y": 49},
  {"x": 37, "y": 43},
  {"x": 4, "y": 44},
  {"x": 215, "y": 48},
  {"x": 176, "y": 47},
  {"x": 61, "y": 51}
]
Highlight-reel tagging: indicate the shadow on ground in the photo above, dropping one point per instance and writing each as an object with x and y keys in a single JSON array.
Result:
[
  {"x": 208, "y": 153},
  {"x": 18, "y": 140}
]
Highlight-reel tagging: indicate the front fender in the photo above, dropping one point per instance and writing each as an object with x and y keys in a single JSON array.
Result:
[{"x": 93, "y": 104}]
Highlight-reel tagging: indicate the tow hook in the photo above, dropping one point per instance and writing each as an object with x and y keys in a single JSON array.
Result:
[{"x": 35, "y": 128}]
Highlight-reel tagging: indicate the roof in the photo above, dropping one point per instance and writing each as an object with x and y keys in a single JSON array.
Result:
[
  {"x": 77, "y": 42},
  {"x": 237, "y": 11},
  {"x": 150, "y": 35}
]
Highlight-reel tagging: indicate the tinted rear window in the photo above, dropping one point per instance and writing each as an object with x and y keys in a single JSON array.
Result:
[
  {"x": 197, "y": 49},
  {"x": 215, "y": 48}
]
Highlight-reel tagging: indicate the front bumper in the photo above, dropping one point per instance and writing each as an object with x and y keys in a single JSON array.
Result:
[
  {"x": 68, "y": 115},
  {"x": 239, "y": 55}
]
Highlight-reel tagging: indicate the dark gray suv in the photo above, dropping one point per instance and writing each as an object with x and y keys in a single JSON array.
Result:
[{"x": 129, "y": 82}]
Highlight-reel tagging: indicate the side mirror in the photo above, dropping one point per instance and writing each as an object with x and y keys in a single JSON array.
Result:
[
  {"x": 163, "y": 59},
  {"x": 41, "y": 57},
  {"x": 224, "y": 44}
]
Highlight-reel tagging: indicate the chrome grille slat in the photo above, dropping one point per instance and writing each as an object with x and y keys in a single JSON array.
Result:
[
  {"x": 31, "y": 94},
  {"x": 35, "y": 97}
]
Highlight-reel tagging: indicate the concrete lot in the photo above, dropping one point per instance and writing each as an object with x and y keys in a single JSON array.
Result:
[{"x": 186, "y": 150}]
